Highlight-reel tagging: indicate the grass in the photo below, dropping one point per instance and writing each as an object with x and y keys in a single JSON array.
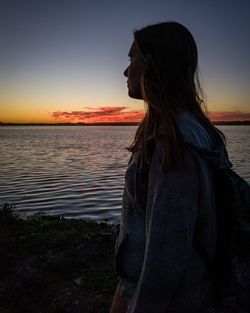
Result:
[{"x": 52, "y": 264}]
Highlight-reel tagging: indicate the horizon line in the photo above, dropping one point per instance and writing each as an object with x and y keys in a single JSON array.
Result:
[{"x": 233, "y": 122}]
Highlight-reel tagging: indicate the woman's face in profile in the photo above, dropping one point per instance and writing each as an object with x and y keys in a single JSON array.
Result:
[{"x": 134, "y": 72}]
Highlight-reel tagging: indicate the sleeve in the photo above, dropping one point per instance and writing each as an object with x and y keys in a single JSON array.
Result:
[{"x": 171, "y": 212}]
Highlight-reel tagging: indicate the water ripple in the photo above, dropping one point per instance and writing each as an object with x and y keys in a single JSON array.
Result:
[{"x": 79, "y": 171}]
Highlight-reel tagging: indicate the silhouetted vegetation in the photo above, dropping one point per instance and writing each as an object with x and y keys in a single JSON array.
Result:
[
  {"x": 111, "y": 124},
  {"x": 232, "y": 123},
  {"x": 53, "y": 264},
  {"x": 71, "y": 124}
]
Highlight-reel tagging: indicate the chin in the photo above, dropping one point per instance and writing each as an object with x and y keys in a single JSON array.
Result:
[{"x": 134, "y": 95}]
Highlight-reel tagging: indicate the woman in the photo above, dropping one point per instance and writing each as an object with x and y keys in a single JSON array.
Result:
[{"x": 168, "y": 201}]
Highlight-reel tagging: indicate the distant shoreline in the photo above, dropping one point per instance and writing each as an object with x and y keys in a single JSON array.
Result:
[
  {"x": 111, "y": 124},
  {"x": 68, "y": 124}
]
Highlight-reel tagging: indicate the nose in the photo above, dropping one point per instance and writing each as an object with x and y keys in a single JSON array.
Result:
[{"x": 125, "y": 73}]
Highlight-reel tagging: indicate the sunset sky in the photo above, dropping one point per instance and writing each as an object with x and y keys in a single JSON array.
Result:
[{"x": 63, "y": 60}]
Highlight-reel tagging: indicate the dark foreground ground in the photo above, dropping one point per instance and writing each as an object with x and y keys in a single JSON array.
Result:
[{"x": 55, "y": 265}]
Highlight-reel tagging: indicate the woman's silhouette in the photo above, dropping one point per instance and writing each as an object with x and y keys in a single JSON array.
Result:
[{"x": 168, "y": 201}]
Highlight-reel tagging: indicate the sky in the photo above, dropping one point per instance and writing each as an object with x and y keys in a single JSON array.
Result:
[{"x": 63, "y": 60}]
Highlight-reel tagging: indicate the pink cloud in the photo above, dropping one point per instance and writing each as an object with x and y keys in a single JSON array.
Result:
[
  {"x": 100, "y": 114},
  {"x": 121, "y": 114},
  {"x": 236, "y": 115}
]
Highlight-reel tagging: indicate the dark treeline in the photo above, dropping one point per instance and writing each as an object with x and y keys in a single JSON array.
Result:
[
  {"x": 69, "y": 124},
  {"x": 232, "y": 123},
  {"x": 111, "y": 124}
]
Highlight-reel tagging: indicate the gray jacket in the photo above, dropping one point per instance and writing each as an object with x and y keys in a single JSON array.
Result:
[{"x": 155, "y": 257}]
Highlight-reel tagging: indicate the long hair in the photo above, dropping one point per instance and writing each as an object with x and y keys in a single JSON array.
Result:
[{"x": 169, "y": 85}]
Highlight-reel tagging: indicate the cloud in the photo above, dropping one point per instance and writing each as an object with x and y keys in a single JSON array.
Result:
[
  {"x": 100, "y": 114},
  {"x": 236, "y": 115},
  {"x": 122, "y": 114}
]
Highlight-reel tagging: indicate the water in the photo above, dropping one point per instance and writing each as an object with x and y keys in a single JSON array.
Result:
[{"x": 78, "y": 171}]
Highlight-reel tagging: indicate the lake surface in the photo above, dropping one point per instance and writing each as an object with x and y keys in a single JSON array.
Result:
[{"x": 78, "y": 171}]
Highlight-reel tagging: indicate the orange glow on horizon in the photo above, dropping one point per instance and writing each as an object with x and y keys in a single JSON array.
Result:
[
  {"x": 99, "y": 115},
  {"x": 236, "y": 115},
  {"x": 118, "y": 114},
  {"x": 105, "y": 114}
]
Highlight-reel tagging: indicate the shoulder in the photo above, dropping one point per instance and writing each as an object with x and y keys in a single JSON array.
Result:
[
  {"x": 184, "y": 181},
  {"x": 193, "y": 132},
  {"x": 191, "y": 155}
]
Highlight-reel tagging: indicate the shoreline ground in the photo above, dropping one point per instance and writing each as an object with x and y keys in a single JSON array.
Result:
[{"x": 55, "y": 265}]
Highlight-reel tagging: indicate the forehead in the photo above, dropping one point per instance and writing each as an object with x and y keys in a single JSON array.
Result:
[{"x": 133, "y": 49}]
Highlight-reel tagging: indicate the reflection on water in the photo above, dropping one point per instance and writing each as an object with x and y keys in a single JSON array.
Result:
[
  {"x": 238, "y": 148},
  {"x": 79, "y": 171}
]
